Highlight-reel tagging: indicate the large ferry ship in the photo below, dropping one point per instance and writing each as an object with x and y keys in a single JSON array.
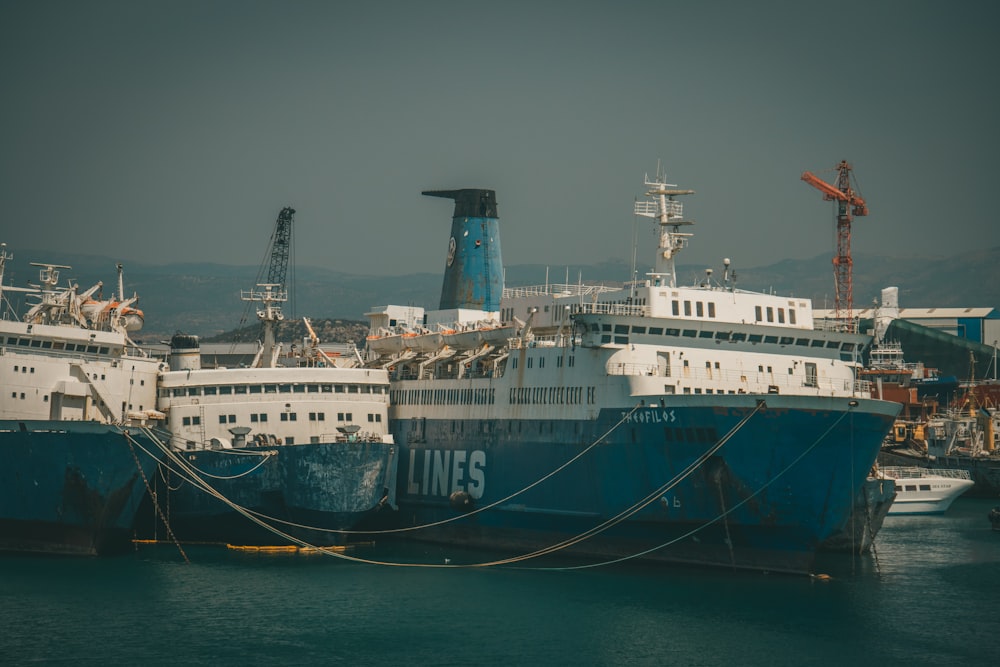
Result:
[
  {"x": 292, "y": 450},
  {"x": 700, "y": 424},
  {"x": 76, "y": 392}
]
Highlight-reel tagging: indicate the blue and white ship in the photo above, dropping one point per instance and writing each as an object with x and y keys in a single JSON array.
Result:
[
  {"x": 292, "y": 450},
  {"x": 699, "y": 424},
  {"x": 76, "y": 394}
]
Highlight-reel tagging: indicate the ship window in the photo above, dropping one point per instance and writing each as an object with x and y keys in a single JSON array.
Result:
[
  {"x": 787, "y": 340},
  {"x": 339, "y": 389},
  {"x": 313, "y": 388},
  {"x": 36, "y": 343},
  {"x": 289, "y": 440},
  {"x": 675, "y": 306},
  {"x": 705, "y": 334},
  {"x": 194, "y": 391},
  {"x": 253, "y": 417},
  {"x": 817, "y": 343},
  {"x": 226, "y": 389},
  {"x": 255, "y": 389},
  {"x": 283, "y": 416},
  {"x": 298, "y": 389},
  {"x": 911, "y": 487},
  {"x": 11, "y": 340},
  {"x": 757, "y": 313},
  {"x": 639, "y": 330},
  {"x": 756, "y": 338},
  {"x": 178, "y": 391},
  {"x": 690, "y": 333},
  {"x": 672, "y": 332},
  {"x": 232, "y": 419},
  {"x": 722, "y": 335},
  {"x": 604, "y": 339},
  {"x": 621, "y": 328},
  {"x": 847, "y": 347},
  {"x": 770, "y": 339},
  {"x": 739, "y": 337},
  {"x": 326, "y": 388},
  {"x": 699, "y": 309},
  {"x": 925, "y": 487},
  {"x": 104, "y": 350},
  {"x": 285, "y": 388},
  {"x": 92, "y": 349},
  {"x": 687, "y": 308},
  {"x": 621, "y": 340},
  {"x": 211, "y": 391},
  {"x": 770, "y": 314},
  {"x": 23, "y": 342},
  {"x": 791, "y": 316},
  {"x": 605, "y": 327},
  {"x": 711, "y": 309},
  {"x": 270, "y": 389},
  {"x": 239, "y": 389},
  {"x": 804, "y": 342},
  {"x": 222, "y": 419},
  {"x": 58, "y": 345},
  {"x": 781, "y": 316},
  {"x": 656, "y": 331}
]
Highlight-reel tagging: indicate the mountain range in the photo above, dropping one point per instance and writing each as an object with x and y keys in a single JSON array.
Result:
[{"x": 204, "y": 299}]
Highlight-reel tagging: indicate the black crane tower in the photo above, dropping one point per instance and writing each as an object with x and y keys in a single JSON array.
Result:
[{"x": 280, "y": 241}]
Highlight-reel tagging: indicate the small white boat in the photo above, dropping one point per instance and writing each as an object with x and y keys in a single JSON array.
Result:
[{"x": 926, "y": 490}]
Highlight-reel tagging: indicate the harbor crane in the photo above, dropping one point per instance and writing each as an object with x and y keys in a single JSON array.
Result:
[{"x": 849, "y": 204}]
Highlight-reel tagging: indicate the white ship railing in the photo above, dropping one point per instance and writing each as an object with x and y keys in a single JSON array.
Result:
[
  {"x": 555, "y": 289},
  {"x": 723, "y": 379},
  {"x": 914, "y": 472}
]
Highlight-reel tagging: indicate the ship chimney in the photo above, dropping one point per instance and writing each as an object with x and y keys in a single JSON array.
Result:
[
  {"x": 473, "y": 274},
  {"x": 185, "y": 352}
]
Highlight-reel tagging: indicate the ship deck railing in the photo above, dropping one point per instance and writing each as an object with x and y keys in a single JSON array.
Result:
[
  {"x": 720, "y": 378},
  {"x": 555, "y": 289},
  {"x": 915, "y": 472}
]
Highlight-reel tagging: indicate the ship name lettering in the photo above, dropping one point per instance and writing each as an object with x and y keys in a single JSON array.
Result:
[
  {"x": 650, "y": 416},
  {"x": 441, "y": 472}
]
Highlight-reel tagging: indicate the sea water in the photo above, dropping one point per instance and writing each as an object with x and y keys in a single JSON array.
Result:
[{"x": 928, "y": 595}]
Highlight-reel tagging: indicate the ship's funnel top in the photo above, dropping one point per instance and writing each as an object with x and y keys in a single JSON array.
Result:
[
  {"x": 473, "y": 274},
  {"x": 469, "y": 202}
]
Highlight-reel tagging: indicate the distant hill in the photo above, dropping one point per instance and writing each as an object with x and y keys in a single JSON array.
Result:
[{"x": 204, "y": 299}]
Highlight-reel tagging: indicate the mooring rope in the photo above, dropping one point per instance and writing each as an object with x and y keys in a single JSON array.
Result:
[
  {"x": 732, "y": 509},
  {"x": 152, "y": 496}
]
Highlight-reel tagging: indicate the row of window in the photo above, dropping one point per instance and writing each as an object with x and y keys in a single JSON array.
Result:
[
  {"x": 57, "y": 345},
  {"x": 622, "y": 331},
  {"x": 699, "y": 308},
  {"x": 261, "y": 417},
  {"x": 468, "y": 396},
  {"x": 285, "y": 388},
  {"x": 770, "y": 314},
  {"x": 552, "y": 395},
  {"x": 570, "y": 362}
]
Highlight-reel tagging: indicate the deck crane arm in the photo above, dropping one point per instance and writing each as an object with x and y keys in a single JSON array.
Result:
[
  {"x": 848, "y": 203},
  {"x": 832, "y": 192}
]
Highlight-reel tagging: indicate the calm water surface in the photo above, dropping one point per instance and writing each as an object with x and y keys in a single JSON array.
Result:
[{"x": 931, "y": 597}]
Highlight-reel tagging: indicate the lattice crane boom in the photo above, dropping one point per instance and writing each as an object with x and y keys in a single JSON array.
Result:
[
  {"x": 849, "y": 203},
  {"x": 280, "y": 241}
]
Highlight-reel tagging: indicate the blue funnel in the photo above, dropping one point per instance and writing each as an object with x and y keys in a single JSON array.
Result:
[{"x": 473, "y": 274}]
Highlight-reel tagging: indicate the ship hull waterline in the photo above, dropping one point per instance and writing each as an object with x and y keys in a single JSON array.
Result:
[
  {"x": 783, "y": 484},
  {"x": 71, "y": 488},
  {"x": 303, "y": 494}
]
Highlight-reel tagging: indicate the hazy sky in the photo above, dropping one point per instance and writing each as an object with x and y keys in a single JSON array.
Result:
[{"x": 176, "y": 131}]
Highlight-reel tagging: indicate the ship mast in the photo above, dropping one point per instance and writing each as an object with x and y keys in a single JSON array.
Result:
[{"x": 670, "y": 216}]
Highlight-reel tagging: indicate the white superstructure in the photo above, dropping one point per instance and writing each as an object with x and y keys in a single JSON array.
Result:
[{"x": 70, "y": 357}]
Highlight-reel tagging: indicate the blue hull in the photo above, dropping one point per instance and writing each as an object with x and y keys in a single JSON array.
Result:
[
  {"x": 70, "y": 487},
  {"x": 300, "y": 493},
  {"x": 783, "y": 484}
]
